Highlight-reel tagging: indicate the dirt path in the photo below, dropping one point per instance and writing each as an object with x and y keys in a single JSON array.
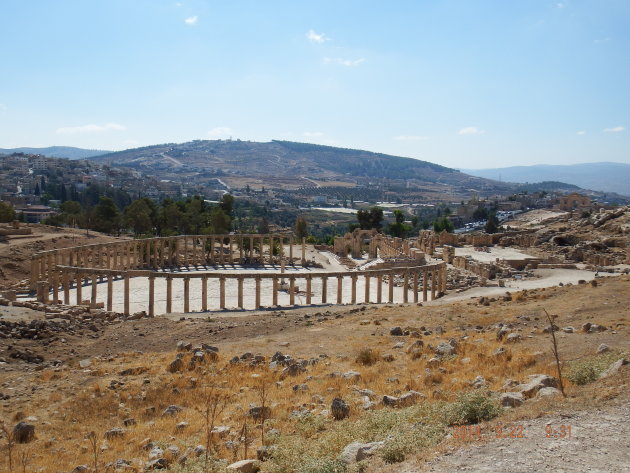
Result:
[{"x": 599, "y": 443}]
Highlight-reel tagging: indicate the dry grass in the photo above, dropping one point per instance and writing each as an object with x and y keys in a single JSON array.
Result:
[{"x": 299, "y": 415}]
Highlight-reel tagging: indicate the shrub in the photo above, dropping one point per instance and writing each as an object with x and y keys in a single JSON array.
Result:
[
  {"x": 587, "y": 370},
  {"x": 473, "y": 407},
  {"x": 368, "y": 357}
]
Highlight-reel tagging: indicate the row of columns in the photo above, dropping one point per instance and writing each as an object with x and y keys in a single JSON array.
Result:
[
  {"x": 167, "y": 252},
  {"x": 433, "y": 280}
]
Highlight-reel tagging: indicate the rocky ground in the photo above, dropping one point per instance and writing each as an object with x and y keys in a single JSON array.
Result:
[{"x": 68, "y": 376}]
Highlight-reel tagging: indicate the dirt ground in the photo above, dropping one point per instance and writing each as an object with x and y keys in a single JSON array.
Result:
[
  {"x": 340, "y": 331},
  {"x": 16, "y": 252}
]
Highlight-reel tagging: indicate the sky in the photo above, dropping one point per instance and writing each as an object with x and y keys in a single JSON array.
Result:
[{"x": 466, "y": 83}]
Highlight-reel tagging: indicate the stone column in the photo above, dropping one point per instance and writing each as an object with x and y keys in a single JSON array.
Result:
[
  {"x": 406, "y": 287},
  {"x": 262, "y": 257},
  {"x": 433, "y": 279},
  {"x": 169, "y": 294},
  {"x": 231, "y": 253},
  {"x": 425, "y": 282},
  {"x": 79, "y": 288},
  {"x": 308, "y": 289},
  {"x": 271, "y": 250},
  {"x": 324, "y": 289},
  {"x": 290, "y": 250},
  {"x": 186, "y": 294},
  {"x": 110, "y": 292},
  {"x": 251, "y": 248},
  {"x": 147, "y": 252},
  {"x": 444, "y": 278},
  {"x": 156, "y": 251},
  {"x": 240, "y": 292},
  {"x": 292, "y": 290},
  {"x": 94, "y": 289},
  {"x": 240, "y": 250},
  {"x": 34, "y": 271},
  {"x": 176, "y": 245},
  {"x": 257, "y": 292},
  {"x": 379, "y": 288},
  {"x": 184, "y": 251},
  {"x": 66, "y": 288},
  {"x": 415, "y": 286},
  {"x": 114, "y": 256},
  {"x": 391, "y": 287},
  {"x": 126, "y": 293},
  {"x": 339, "y": 289},
  {"x": 151, "y": 296},
  {"x": 221, "y": 252},
  {"x": 354, "y": 289},
  {"x": 204, "y": 293},
  {"x": 303, "y": 251},
  {"x": 275, "y": 292},
  {"x": 222, "y": 292},
  {"x": 212, "y": 250},
  {"x": 366, "y": 297},
  {"x": 55, "y": 287}
]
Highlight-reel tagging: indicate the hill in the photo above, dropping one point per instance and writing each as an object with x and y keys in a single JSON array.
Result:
[
  {"x": 277, "y": 162},
  {"x": 57, "y": 152},
  {"x": 604, "y": 177}
]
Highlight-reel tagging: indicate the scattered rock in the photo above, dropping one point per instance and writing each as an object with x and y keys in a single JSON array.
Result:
[
  {"x": 513, "y": 338},
  {"x": 537, "y": 382},
  {"x": 356, "y": 451},
  {"x": 114, "y": 433},
  {"x": 244, "y": 466},
  {"x": 23, "y": 432},
  {"x": 614, "y": 368},
  {"x": 171, "y": 410},
  {"x": 545, "y": 392},
  {"x": 511, "y": 399},
  {"x": 603, "y": 348},
  {"x": 339, "y": 409},
  {"x": 396, "y": 332}
]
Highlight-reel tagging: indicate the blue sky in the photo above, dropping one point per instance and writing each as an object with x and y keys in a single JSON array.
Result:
[{"x": 466, "y": 84}]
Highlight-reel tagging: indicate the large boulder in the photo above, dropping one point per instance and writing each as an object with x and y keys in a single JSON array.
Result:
[
  {"x": 356, "y": 451},
  {"x": 511, "y": 399},
  {"x": 536, "y": 383},
  {"x": 23, "y": 432}
]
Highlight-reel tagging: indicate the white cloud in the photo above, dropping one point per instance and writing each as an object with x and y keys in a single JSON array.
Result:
[
  {"x": 3, "y": 107},
  {"x": 90, "y": 129},
  {"x": 561, "y": 5},
  {"x": 471, "y": 130},
  {"x": 192, "y": 20},
  {"x": 318, "y": 38},
  {"x": 581, "y": 132},
  {"x": 343, "y": 62},
  {"x": 602, "y": 40},
  {"x": 616, "y": 129},
  {"x": 220, "y": 132},
  {"x": 411, "y": 138},
  {"x": 313, "y": 134},
  {"x": 179, "y": 4}
]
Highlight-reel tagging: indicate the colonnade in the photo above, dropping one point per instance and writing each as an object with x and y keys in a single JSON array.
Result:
[
  {"x": 169, "y": 252},
  {"x": 418, "y": 283}
]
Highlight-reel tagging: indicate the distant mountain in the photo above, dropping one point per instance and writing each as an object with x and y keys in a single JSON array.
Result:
[
  {"x": 58, "y": 152},
  {"x": 276, "y": 160},
  {"x": 604, "y": 177}
]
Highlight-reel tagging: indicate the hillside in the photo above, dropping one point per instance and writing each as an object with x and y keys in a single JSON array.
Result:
[
  {"x": 276, "y": 163},
  {"x": 57, "y": 152},
  {"x": 604, "y": 177}
]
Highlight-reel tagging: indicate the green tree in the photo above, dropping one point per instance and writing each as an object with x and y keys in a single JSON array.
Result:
[
  {"x": 220, "y": 222},
  {"x": 442, "y": 224},
  {"x": 301, "y": 228},
  {"x": 172, "y": 218},
  {"x": 137, "y": 216},
  {"x": 227, "y": 204},
  {"x": 492, "y": 225},
  {"x": 7, "y": 213},
  {"x": 399, "y": 228},
  {"x": 106, "y": 217},
  {"x": 369, "y": 219}
]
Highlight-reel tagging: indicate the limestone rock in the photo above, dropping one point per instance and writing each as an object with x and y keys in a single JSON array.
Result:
[
  {"x": 603, "y": 348},
  {"x": 536, "y": 383},
  {"x": 614, "y": 368},
  {"x": 444, "y": 349},
  {"x": 511, "y": 399},
  {"x": 244, "y": 466},
  {"x": 171, "y": 410},
  {"x": 546, "y": 392},
  {"x": 356, "y": 451},
  {"x": 513, "y": 338}
]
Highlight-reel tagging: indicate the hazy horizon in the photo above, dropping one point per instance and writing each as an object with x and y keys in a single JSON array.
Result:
[{"x": 468, "y": 85}]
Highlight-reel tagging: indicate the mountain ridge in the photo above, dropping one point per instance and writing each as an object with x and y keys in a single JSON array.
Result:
[
  {"x": 599, "y": 176},
  {"x": 69, "y": 152}
]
